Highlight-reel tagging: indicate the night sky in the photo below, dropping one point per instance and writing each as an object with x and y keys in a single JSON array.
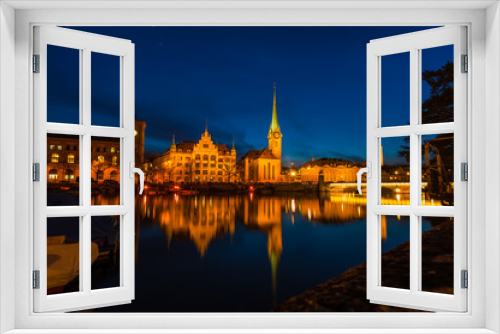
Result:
[{"x": 187, "y": 76}]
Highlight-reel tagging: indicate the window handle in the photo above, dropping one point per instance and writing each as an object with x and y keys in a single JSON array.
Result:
[
  {"x": 134, "y": 170},
  {"x": 368, "y": 171}
]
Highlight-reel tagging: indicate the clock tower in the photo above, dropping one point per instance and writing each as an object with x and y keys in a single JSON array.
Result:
[{"x": 274, "y": 136}]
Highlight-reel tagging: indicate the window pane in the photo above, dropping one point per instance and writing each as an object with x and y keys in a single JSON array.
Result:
[
  {"x": 438, "y": 170},
  {"x": 63, "y": 255},
  {"x": 395, "y": 171},
  {"x": 63, "y": 170},
  {"x": 437, "y": 84},
  {"x": 105, "y": 171},
  {"x": 105, "y": 231},
  {"x": 63, "y": 85},
  {"x": 105, "y": 90},
  {"x": 437, "y": 254},
  {"x": 395, "y": 235},
  {"x": 395, "y": 91}
]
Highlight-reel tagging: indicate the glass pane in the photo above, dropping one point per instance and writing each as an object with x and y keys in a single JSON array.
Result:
[
  {"x": 437, "y": 170},
  {"x": 63, "y": 170},
  {"x": 437, "y": 254},
  {"x": 63, "y": 255},
  {"x": 105, "y": 171},
  {"x": 395, "y": 235},
  {"x": 105, "y": 90},
  {"x": 395, "y": 171},
  {"x": 437, "y": 84},
  {"x": 105, "y": 234},
  {"x": 63, "y": 85},
  {"x": 395, "y": 91}
]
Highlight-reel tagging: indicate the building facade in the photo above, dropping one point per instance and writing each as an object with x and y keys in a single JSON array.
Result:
[
  {"x": 63, "y": 159},
  {"x": 203, "y": 161},
  {"x": 333, "y": 170},
  {"x": 63, "y": 156},
  {"x": 264, "y": 165}
]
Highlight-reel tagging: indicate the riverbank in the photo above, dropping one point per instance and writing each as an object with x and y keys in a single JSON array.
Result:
[{"x": 347, "y": 292}]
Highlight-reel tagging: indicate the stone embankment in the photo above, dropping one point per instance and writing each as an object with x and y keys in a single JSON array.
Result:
[{"x": 347, "y": 292}]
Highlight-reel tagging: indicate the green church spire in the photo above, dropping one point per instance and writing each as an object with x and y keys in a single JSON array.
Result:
[{"x": 274, "y": 122}]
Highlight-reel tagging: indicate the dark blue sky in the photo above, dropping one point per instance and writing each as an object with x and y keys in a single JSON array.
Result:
[{"x": 186, "y": 75}]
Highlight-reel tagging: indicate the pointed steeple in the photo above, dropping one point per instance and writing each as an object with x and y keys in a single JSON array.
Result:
[
  {"x": 274, "y": 122},
  {"x": 173, "y": 147},
  {"x": 205, "y": 134}
]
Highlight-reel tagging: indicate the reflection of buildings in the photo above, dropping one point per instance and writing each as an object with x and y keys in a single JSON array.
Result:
[
  {"x": 333, "y": 170},
  {"x": 264, "y": 165},
  {"x": 63, "y": 156},
  {"x": 199, "y": 218},
  {"x": 395, "y": 173},
  {"x": 192, "y": 162}
]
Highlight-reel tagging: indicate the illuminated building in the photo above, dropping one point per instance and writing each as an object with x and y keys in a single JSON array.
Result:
[
  {"x": 264, "y": 165},
  {"x": 333, "y": 170},
  {"x": 63, "y": 159},
  {"x": 63, "y": 156},
  {"x": 140, "y": 135},
  {"x": 203, "y": 161}
]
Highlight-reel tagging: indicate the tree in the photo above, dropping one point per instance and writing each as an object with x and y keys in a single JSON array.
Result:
[
  {"x": 438, "y": 107},
  {"x": 99, "y": 166},
  {"x": 168, "y": 168},
  {"x": 437, "y": 152},
  {"x": 228, "y": 170}
]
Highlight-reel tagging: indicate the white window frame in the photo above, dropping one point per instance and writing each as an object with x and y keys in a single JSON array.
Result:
[
  {"x": 414, "y": 44},
  {"x": 483, "y": 21},
  {"x": 85, "y": 43}
]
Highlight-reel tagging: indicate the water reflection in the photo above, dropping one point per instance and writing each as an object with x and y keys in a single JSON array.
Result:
[
  {"x": 244, "y": 253},
  {"x": 202, "y": 218}
]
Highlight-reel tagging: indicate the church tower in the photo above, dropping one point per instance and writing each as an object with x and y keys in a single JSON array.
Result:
[{"x": 274, "y": 136}]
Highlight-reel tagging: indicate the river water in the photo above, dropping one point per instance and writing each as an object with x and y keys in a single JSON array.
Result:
[{"x": 244, "y": 253}]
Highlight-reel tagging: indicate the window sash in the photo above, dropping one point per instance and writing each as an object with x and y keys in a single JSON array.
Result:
[
  {"x": 85, "y": 298},
  {"x": 413, "y": 43}
]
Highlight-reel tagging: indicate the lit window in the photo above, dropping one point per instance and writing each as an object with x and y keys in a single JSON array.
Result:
[
  {"x": 69, "y": 175},
  {"x": 53, "y": 175},
  {"x": 52, "y": 147},
  {"x": 55, "y": 157},
  {"x": 100, "y": 158},
  {"x": 71, "y": 159},
  {"x": 115, "y": 160},
  {"x": 59, "y": 147},
  {"x": 113, "y": 150}
]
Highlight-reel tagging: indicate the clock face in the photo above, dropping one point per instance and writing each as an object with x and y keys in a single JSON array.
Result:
[{"x": 276, "y": 135}]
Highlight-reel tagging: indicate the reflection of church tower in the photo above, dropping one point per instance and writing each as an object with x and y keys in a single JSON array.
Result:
[
  {"x": 274, "y": 136},
  {"x": 274, "y": 249}
]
